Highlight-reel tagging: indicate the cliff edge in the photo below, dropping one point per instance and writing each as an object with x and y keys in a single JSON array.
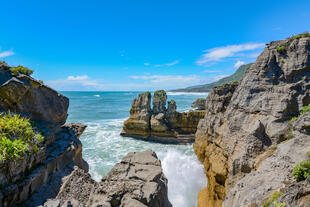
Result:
[{"x": 254, "y": 132}]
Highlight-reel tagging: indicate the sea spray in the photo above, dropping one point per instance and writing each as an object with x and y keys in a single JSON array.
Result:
[
  {"x": 185, "y": 178},
  {"x": 103, "y": 147}
]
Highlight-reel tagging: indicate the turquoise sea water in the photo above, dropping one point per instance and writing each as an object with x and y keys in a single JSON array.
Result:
[{"x": 103, "y": 147}]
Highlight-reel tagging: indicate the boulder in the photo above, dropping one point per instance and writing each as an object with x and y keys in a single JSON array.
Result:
[
  {"x": 138, "y": 180},
  {"x": 27, "y": 96}
]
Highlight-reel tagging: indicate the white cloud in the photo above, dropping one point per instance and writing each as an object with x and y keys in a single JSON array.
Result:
[
  {"x": 76, "y": 78},
  {"x": 238, "y": 64},
  {"x": 211, "y": 71},
  {"x": 172, "y": 63},
  {"x": 220, "y": 53},
  {"x": 6, "y": 54},
  {"x": 76, "y": 83},
  {"x": 166, "y": 64}
]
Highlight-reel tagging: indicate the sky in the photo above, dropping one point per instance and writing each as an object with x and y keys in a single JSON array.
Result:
[{"x": 117, "y": 45}]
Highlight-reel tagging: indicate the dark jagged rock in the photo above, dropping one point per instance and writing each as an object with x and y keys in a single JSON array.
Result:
[
  {"x": 161, "y": 124},
  {"x": 137, "y": 181},
  {"x": 243, "y": 120},
  {"x": 27, "y": 96},
  {"x": 200, "y": 104}
]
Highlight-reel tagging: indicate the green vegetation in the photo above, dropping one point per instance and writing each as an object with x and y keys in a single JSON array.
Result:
[
  {"x": 12, "y": 150},
  {"x": 17, "y": 136},
  {"x": 273, "y": 147},
  {"x": 302, "y": 170},
  {"x": 276, "y": 204},
  {"x": 207, "y": 87},
  {"x": 273, "y": 199},
  {"x": 302, "y": 111},
  {"x": 20, "y": 70},
  {"x": 281, "y": 49},
  {"x": 302, "y": 35}
]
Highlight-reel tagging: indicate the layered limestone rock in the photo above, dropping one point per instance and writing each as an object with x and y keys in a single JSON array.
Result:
[
  {"x": 138, "y": 123},
  {"x": 161, "y": 124},
  {"x": 137, "y": 181},
  {"x": 243, "y": 120},
  {"x": 36, "y": 177},
  {"x": 200, "y": 104}
]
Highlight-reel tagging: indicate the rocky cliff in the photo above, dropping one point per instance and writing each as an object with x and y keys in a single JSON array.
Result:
[
  {"x": 161, "y": 123},
  {"x": 137, "y": 181},
  {"x": 249, "y": 141},
  {"x": 37, "y": 176},
  {"x": 54, "y": 169}
]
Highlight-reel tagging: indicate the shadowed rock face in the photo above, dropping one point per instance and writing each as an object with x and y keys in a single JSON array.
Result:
[
  {"x": 27, "y": 96},
  {"x": 160, "y": 124},
  {"x": 243, "y": 121},
  {"x": 137, "y": 181}
]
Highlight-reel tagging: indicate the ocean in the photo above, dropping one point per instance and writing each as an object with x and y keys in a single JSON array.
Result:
[{"x": 103, "y": 147}]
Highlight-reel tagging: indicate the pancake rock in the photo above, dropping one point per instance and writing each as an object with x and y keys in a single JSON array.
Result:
[
  {"x": 241, "y": 139},
  {"x": 137, "y": 181},
  {"x": 161, "y": 123}
]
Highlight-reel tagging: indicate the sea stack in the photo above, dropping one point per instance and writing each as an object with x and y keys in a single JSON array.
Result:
[{"x": 161, "y": 124}]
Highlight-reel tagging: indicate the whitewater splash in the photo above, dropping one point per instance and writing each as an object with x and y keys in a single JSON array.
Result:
[
  {"x": 185, "y": 178},
  {"x": 103, "y": 147}
]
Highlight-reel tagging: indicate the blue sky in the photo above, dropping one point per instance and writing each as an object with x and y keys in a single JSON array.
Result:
[{"x": 142, "y": 45}]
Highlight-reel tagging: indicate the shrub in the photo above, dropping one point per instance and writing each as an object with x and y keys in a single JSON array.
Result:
[
  {"x": 281, "y": 49},
  {"x": 276, "y": 204},
  {"x": 20, "y": 70},
  {"x": 12, "y": 150},
  {"x": 302, "y": 170},
  {"x": 17, "y": 136},
  {"x": 304, "y": 109},
  {"x": 273, "y": 198},
  {"x": 302, "y": 35},
  {"x": 273, "y": 147}
]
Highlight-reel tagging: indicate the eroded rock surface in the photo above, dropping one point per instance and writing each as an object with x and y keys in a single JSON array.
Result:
[
  {"x": 27, "y": 96},
  {"x": 200, "y": 104},
  {"x": 137, "y": 181},
  {"x": 37, "y": 177},
  {"x": 243, "y": 120},
  {"x": 161, "y": 124}
]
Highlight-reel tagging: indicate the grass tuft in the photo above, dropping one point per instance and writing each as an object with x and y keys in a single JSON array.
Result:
[
  {"x": 302, "y": 170},
  {"x": 20, "y": 70},
  {"x": 302, "y": 35},
  {"x": 17, "y": 136},
  {"x": 281, "y": 49}
]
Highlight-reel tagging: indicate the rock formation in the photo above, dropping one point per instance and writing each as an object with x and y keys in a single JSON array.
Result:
[
  {"x": 26, "y": 179},
  {"x": 137, "y": 181},
  {"x": 240, "y": 140},
  {"x": 161, "y": 124},
  {"x": 200, "y": 104}
]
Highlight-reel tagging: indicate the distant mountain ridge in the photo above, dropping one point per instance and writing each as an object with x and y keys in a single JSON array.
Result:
[{"x": 207, "y": 87}]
